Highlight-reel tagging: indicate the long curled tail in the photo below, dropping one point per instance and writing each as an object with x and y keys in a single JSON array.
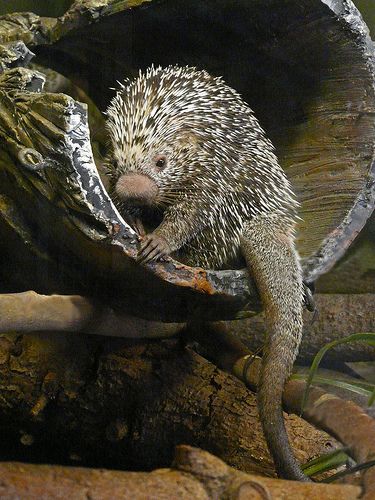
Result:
[{"x": 268, "y": 248}]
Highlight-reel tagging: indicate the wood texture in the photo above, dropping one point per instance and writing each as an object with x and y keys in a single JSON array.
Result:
[
  {"x": 315, "y": 100},
  {"x": 194, "y": 474},
  {"x": 89, "y": 400},
  {"x": 337, "y": 316}
]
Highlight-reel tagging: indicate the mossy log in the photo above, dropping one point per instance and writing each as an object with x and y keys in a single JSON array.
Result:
[{"x": 315, "y": 100}]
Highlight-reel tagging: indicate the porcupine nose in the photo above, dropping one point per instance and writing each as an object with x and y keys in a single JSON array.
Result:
[{"x": 136, "y": 189}]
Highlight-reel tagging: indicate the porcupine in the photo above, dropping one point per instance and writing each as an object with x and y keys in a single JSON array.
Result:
[{"x": 185, "y": 147}]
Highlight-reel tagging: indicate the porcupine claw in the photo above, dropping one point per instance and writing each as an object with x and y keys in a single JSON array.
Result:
[{"x": 153, "y": 247}]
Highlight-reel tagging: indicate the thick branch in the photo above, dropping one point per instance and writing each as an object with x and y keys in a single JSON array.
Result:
[
  {"x": 31, "y": 312},
  {"x": 338, "y": 316},
  {"x": 195, "y": 475}
]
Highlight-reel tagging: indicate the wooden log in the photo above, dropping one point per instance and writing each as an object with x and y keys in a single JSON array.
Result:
[
  {"x": 46, "y": 387},
  {"x": 342, "y": 418},
  {"x": 30, "y": 312},
  {"x": 110, "y": 402},
  {"x": 337, "y": 316}
]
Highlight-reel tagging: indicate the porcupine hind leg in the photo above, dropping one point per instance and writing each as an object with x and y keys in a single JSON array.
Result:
[{"x": 270, "y": 255}]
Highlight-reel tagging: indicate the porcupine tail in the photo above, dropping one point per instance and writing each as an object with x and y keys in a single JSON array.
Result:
[{"x": 271, "y": 256}]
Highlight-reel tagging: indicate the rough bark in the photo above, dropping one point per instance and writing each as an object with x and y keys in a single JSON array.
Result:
[
  {"x": 342, "y": 418},
  {"x": 194, "y": 475},
  {"x": 102, "y": 402}
]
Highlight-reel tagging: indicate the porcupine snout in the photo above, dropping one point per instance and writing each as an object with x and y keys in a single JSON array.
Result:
[{"x": 136, "y": 189}]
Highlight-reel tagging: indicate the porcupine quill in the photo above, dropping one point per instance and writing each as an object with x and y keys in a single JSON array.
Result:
[{"x": 188, "y": 153}]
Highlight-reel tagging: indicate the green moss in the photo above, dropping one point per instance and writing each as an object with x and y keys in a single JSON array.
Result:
[
  {"x": 367, "y": 9},
  {"x": 40, "y": 7}
]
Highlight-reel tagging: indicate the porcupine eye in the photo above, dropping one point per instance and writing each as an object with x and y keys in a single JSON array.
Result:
[{"x": 160, "y": 162}]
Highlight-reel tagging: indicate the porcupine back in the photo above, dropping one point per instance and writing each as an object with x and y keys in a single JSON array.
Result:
[{"x": 217, "y": 154}]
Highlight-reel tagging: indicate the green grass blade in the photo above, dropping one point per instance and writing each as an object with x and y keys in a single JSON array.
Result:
[
  {"x": 363, "y": 388},
  {"x": 368, "y": 338},
  {"x": 352, "y": 470},
  {"x": 325, "y": 462},
  {"x": 371, "y": 400}
]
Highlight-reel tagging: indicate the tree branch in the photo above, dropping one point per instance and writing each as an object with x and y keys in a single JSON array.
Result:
[{"x": 194, "y": 474}]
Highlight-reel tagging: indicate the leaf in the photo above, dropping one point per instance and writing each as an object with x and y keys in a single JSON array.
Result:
[
  {"x": 352, "y": 470},
  {"x": 325, "y": 462},
  {"x": 368, "y": 338},
  {"x": 363, "y": 388}
]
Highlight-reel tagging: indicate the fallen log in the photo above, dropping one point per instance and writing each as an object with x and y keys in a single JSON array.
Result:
[{"x": 139, "y": 402}]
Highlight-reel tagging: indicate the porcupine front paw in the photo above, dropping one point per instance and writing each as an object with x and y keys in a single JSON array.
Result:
[{"x": 153, "y": 247}]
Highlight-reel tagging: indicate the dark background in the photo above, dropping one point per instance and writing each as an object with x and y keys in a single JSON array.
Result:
[{"x": 55, "y": 8}]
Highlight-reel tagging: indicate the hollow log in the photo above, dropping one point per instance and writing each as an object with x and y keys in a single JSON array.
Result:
[{"x": 67, "y": 224}]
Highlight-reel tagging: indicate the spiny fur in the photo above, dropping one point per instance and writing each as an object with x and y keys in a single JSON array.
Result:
[
  {"x": 233, "y": 173},
  {"x": 222, "y": 195}
]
